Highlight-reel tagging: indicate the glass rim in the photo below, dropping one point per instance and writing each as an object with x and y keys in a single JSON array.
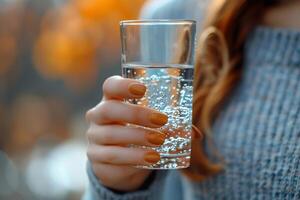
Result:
[{"x": 157, "y": 22}]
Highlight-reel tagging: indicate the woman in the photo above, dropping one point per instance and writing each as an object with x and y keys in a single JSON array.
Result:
[{"x": 246, "y": 99}]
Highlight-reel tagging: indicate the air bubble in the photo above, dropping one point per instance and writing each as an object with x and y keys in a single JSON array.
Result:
[{"x": 172, "y": 95}]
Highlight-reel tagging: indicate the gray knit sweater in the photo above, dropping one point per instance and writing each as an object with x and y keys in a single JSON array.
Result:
[{"x": 257, "y": 131}]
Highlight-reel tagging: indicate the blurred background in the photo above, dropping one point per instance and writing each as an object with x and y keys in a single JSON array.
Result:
[{"x": 54, "y": 55}]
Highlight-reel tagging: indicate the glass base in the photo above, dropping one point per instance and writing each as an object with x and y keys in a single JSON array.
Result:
[{"x": 169, "y": 162}]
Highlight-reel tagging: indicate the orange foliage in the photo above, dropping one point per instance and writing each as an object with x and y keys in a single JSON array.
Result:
[
  {"x": 48, "y": 119},
  {"x": 96, "y": 9},
  {"x": 101, "y": 9},
  {"x": 7, "y": 52},
  {"x": 65, "y": 53},
  {"x": 72, "y": 37},
  {"x": 9, "y": 33}
]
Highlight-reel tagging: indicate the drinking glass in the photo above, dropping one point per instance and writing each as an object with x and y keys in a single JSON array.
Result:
[{"x": 160, "y": 54}]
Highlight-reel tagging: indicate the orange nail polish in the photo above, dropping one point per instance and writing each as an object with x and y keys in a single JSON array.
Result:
[
  {"x": 152, "y": 157},
  {"x": 158, "y": 119},
  {"x": 137, "y": 89},
  {"x": 155, "y": 138}
]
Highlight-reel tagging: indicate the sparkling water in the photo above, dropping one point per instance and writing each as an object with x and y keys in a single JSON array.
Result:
[{"x": 169, "y": 90}]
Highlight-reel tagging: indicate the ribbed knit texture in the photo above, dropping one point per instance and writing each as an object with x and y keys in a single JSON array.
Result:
[{"x": 257, "y": 131}]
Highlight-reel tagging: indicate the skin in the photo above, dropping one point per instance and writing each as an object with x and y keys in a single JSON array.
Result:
[{"x": 108, "y": 137}]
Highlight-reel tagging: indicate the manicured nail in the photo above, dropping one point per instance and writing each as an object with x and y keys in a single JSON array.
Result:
[
  {"x": 158, "y": 118},
  {"x": 155, "y": 138},
  {"x": 152, "y": 157},
  {"x": 137, "y": 89}
]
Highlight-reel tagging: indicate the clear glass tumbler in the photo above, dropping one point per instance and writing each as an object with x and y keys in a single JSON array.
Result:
[{"x": 160, "y": 54}]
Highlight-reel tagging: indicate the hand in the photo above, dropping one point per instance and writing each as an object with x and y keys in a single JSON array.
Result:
[{"x": 111, "y": 158}]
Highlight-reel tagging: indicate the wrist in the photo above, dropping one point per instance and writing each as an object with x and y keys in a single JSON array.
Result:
[{"x": 145, "y": 185}]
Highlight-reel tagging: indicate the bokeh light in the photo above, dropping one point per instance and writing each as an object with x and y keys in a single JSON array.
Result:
[
  {"x": 54, "y": 55},
  {"x": 74, "y": 36}
]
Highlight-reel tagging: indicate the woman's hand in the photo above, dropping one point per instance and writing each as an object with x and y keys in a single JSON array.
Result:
[{"x": 109, "y": 137}]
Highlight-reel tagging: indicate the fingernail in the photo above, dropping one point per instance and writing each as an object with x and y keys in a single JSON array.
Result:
[
  {"x": 137, "y": 89},
  {"x": 158, "y": 118},
  {"x": 155, "y": 138},
  {"x": 152, "y": 157}
]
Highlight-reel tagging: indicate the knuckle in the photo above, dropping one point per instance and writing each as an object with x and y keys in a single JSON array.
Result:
[
  {"x": 106, "y": 111},
  {"x": 90, "y": 134},
  {"x": 103, "y": 109},
  {"x": 90, "y": 153},
  {"x": 109, "y": 105},
  {"x": 109, "y": 81},
  {"x": 88, "y": 115}
]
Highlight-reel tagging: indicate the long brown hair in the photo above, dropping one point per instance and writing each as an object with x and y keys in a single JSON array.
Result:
[{"x": 218, "y": 66}]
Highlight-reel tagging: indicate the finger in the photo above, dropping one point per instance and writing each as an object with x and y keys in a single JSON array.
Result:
[
  {"x": 117, "y": 87},
  {"x": 123, "y": 135},
  {"x": 122, "y": 155},
  {"x": 118, "y": 170},
  {"x": 113, "y": 111}
]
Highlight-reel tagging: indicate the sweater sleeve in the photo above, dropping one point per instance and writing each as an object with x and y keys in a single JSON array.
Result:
[{"x": 96, "y": 191}]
